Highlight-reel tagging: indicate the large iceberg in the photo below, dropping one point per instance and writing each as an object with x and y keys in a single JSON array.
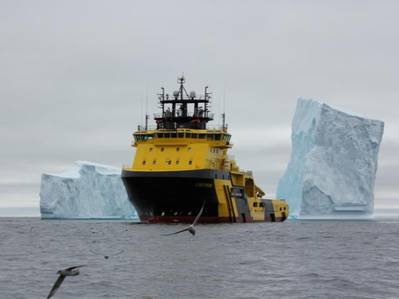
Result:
[
  {"x": 333, "y": 162},
  {"x": 87, "y": 190}
]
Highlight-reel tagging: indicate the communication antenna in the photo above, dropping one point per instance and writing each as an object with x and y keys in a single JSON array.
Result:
[
  {"x": 146, "y": 121},
  {"x": 224, "y": 125},
  {"x": 224, "y": 99},
  {"x": 146, "y": 110},
  {"x": 141, "y": 113}
]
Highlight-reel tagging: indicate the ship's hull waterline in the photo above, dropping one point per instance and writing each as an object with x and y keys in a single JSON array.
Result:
[{"x": 177, "y": 196}]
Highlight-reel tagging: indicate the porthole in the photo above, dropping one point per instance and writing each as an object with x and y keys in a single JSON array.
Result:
[
  {"x": 154, "y": 161},
  {"x": 143, "y": 162},
  {"x": 177, "y": 149},
  {"x": 150, "y": 149},
  {"x": 162, "y": 149},
  {"x": 190, "y": 162},
  {"x": 189, "y": 148},
  {"x": 169, "y": 162},
  {"x": 177, "y": 162}
]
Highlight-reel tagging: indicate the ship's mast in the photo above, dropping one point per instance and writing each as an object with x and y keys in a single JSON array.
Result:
[
  {"x": 175, "y": 111},
  {"x": 147, "y": 117}
]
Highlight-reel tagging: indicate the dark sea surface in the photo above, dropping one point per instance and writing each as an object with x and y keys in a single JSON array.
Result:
[{"x": 294, "y": 259}]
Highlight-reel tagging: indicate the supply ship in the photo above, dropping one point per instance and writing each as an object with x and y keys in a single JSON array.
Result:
[{"x": 181, "y": 165}]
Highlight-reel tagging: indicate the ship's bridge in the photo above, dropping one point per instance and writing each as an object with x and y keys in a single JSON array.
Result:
[{"x": 219, "y": 136}]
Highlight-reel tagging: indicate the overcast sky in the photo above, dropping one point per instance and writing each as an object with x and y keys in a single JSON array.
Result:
[{"x": 75, "y": 75}]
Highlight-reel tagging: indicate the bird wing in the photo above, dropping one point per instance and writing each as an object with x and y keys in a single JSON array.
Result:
[
  {"x": 199, "y": 214},
  {"x": 94, "y": 252},
  {"x": 178, "y": 232},
  {"x": 74, "y": 267},
  {"x": 113, "y": 254},
  {"x": 56, "y": 285},
  {"x": 119, "y": 252}
]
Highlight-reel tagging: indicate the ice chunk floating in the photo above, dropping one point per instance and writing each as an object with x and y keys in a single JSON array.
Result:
[
  {"x": 333, "y": 163},
  {"x": 87, "y": 190}
]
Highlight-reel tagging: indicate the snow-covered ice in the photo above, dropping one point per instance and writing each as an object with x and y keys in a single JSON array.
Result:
[
  {"x": 87, "y": 190},
  {"x": 333, "y": 162}
]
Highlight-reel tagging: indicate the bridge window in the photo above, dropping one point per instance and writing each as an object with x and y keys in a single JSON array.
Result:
[
  {"x": 138, "y": 137},
  {"x": 188, "y": 135},
  {"x": 217, "y": 137},
  {"x": 181, "y": 135},
  {"x": 194, "y": 135},
  {"x": 202, "y": 136},
  {"x": 173, "y": 135}
]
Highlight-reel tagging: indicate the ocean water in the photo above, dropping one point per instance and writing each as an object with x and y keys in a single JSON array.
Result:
[{"x": 294, "y": 259}]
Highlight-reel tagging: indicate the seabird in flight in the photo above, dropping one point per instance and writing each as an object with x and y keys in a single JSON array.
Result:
[
  {"x": 190, "y": 228},
  {"x": 106, "y": 256},
  {"x": 72, "y": 271}
]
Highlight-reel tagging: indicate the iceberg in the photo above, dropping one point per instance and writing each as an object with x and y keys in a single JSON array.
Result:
[
  {"x": 86, "y": 191},
  {"x": 333, "y": 163}
]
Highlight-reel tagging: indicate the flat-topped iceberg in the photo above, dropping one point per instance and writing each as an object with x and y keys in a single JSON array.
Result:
[
  {"x": 85, "y": 191},
  {"x": 333, "y": 163}
]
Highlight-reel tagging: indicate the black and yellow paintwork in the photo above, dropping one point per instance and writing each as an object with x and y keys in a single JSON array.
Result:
[{"x": 175, "y": 170}]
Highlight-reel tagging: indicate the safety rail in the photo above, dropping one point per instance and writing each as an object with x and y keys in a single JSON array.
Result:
[{"x": 141, "y": 129}]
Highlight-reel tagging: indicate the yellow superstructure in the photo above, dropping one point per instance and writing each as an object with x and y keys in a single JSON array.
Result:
[{"x": 181, "y": 150}]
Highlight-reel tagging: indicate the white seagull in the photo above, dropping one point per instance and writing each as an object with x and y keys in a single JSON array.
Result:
[
  {"x": 72, "y": 271},
  {"x": 190, "y": 228}
]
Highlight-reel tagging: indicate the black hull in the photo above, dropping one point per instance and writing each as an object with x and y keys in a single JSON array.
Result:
[
  {"x": 174, "y": 196},
  {"x": 177, "y": 196}
]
